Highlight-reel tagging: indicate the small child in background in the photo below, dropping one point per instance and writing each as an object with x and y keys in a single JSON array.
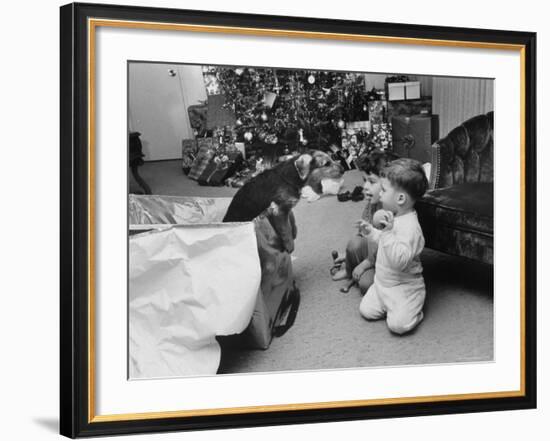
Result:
[
  {"x": 360, "y": 250},
  {"x": 398, "y": 291}
]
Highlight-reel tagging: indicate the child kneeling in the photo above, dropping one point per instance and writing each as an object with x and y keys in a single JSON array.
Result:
[
  {"x": 398, "y": 291},
  {"x": 361, "y": 250}
]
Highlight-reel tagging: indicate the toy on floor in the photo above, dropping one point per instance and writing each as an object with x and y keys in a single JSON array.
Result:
[
  {"x": 337, "y": 262},
  {"x": 344, "y": 196},
  {"x": 356, "y": 195}
]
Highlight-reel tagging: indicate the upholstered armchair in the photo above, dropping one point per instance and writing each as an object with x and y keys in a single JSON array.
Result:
[{"x": 456, "y": 214}]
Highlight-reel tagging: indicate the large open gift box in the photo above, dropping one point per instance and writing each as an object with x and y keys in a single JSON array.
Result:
[{"x": 194, "y": 279}]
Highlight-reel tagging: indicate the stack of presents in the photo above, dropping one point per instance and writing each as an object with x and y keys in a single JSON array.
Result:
[
  {"x": 414, "y": 127},
  {"x": 399, "y": 119},
  {"x": 358, "y": 137},
  {"x": 396, "y": 118}
]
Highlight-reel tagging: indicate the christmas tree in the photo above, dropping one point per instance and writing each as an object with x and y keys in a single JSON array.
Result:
[{"x": 295, "y": 107}]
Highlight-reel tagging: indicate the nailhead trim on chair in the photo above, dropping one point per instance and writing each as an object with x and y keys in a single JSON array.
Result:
[{"x": 435, "y": 172}]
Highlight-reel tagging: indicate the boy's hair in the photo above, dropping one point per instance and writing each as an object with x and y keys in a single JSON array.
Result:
[
  {"x": 374, "y": 161},
  {"x": 407, "y": 174}
]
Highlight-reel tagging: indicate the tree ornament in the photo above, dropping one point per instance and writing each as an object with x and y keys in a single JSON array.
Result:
[
  {"x": 271, "y": 139},
  {"x": 311, "y": 79},
  {"x": 248, "y": 136},
  {"x": 239, "y": 122},
  {"x": 341, "y": 124},
  {"x": 263, "y": 116}
]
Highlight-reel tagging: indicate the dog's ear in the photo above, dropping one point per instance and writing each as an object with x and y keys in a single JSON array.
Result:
[{"x": 303, "y": 164}]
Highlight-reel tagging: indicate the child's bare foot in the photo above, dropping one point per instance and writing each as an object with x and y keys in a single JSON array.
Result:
[{"x": 340, "y": 275}]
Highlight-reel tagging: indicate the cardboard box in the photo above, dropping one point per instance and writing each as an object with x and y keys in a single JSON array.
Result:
[
  {"x": 407, "y": 90},
  {"x": 412, "y": 90},
  {"x": 396, "y": 91},
  {"x": 248, "y": 311}
]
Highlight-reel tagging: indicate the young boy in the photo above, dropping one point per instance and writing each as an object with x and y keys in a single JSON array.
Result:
[
  {"x": 398, "y": 291},
  {"x": 360, "y": 250}
]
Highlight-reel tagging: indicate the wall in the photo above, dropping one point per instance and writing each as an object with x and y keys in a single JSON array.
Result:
[
  {"x": 158, "y": 105},
  {"x": 457, "y": 99}
]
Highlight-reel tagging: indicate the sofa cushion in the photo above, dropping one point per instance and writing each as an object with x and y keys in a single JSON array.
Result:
[{"x": 466, "y": 206}]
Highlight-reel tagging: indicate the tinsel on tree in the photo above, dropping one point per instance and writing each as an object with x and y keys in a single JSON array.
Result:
[{"x": 295, "y": 107}]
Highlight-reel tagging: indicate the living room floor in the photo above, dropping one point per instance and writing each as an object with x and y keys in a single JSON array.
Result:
[{"x": 329, "y": 332}]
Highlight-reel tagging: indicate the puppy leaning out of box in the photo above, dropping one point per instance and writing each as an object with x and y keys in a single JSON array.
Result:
[{"x": 275, "y": 192}]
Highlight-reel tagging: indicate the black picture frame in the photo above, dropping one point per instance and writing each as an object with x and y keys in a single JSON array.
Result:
[{"x": 77, "y": 419}]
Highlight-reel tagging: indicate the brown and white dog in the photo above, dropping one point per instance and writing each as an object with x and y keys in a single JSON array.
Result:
[{"x": 276, "y": 191}]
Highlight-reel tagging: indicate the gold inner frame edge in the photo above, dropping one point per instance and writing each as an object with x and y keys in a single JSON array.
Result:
[{"x": 92, "y": 24}]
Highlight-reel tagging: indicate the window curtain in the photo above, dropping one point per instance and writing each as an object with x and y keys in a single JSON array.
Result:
[{"x": 457, "y": 99}]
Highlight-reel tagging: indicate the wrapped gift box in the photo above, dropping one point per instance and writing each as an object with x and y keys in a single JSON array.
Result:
[
  {"x": 206, "y": 150},
  {"x": 377, "y": 112},
  {"x": 218, "y": 115},
  {"x": 413, "y": 136},
  {"x": 197, "y": 119},
  {"x": 412, "y": 90},
  {"x": 188, "y": 153},
  {"x": 380, "y": 137},
  {"x": 405, "y": 90},
  {"x": 395, "y": 91}
]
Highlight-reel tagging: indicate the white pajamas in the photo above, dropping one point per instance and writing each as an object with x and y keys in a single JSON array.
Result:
[{"x": 398, "y": 291}]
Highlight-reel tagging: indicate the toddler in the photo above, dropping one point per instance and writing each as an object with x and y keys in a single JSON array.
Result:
[
  {"x": 361, "y": 250},
  {"x": 398, "y": 291}
]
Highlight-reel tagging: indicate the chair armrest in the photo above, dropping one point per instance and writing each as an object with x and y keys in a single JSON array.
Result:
[{"x": 448, "y": 157}]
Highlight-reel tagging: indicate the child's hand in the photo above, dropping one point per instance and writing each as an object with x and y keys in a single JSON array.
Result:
[
  {"x": 360, "y": 269},
  {"x": 357, "y": 272},
  {"x": 363, "y": 227},
  {"x": 386, "y": 220}
]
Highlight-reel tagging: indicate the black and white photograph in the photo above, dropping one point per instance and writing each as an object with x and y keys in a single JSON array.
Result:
[
  {"x": 275, "y": 220},
  {"x": 284, "y": 219}
]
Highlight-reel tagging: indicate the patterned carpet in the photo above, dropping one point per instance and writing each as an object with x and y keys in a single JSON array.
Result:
[{"x": 329, "y": 333}]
